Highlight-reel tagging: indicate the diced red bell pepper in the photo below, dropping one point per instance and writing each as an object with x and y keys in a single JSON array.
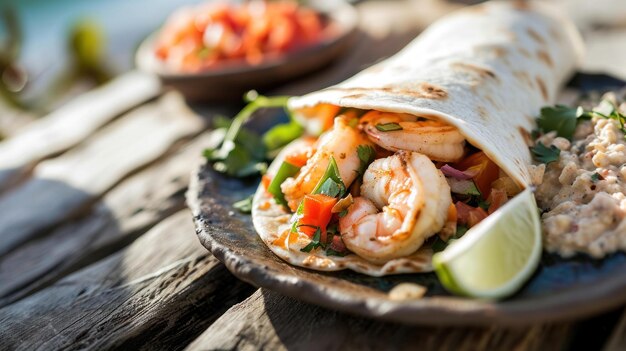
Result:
[{"x": 316, "y": 213}]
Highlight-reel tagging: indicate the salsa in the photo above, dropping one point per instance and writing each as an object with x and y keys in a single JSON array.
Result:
[{"x": 208, "y": 35}]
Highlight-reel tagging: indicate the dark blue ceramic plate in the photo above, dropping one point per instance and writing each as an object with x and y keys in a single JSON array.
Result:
[{"x": 560, "y": 289}]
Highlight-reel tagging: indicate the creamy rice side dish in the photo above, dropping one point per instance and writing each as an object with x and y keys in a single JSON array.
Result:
[{"x": 583, "y": 193}]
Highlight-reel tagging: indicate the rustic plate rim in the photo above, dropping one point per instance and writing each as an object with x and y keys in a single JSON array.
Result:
[{"x": 444, "y": 310}]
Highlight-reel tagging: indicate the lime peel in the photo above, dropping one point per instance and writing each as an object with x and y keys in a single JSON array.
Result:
[{"x": 496, "y": 257}]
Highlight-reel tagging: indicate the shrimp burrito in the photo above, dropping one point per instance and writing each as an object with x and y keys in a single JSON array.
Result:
[{"x": 418, "y": 149}]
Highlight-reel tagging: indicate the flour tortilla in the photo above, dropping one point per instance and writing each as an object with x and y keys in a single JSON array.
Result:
[{"x": 486, "y": 69}]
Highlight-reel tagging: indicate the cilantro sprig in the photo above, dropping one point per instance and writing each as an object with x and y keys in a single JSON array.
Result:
[
  {"x": 316, "y": 241},
  {"x": 608, "y": 110},
  {"x": 545, "y": 154},
  {"x": 241, "y": 152},
  {"x": 563, "y": 119}
]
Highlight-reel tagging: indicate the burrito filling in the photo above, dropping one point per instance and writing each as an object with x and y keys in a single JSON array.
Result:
[{"x": 380, "y": 185}]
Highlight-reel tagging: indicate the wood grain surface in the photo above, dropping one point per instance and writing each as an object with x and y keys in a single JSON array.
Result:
[
  {"x": 98, "y": 252},
  {"x": 71, "y": 124},
  {"x": 160, "y": 291},
  {"x": 268, "y": 320},
  {"x": 121, "y": 216},
  {"x": 61, "y": 187}
]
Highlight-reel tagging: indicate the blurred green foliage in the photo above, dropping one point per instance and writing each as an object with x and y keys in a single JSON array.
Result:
[{"x": 86, "y": 48}]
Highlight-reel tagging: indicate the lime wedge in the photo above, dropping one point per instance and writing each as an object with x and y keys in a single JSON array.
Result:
[{"x": 494, "y": 258}]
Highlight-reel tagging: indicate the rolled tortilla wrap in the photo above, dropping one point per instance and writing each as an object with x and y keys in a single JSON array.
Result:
[{"x": 486, "y": 69}]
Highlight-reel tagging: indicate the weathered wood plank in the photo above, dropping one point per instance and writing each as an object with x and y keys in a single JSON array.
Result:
[
  {"x": 13, "y": 120},
  {"x": 617, "y": 340},
  {"x": 62, "y": 186},
  {"x": 158, "y": 293},
  {"x": 268, "y": 320},
  {"x": 72, "y": 123},
  {"x": 124, "y": 213}
]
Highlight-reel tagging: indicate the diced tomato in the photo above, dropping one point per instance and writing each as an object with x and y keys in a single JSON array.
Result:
[
  {"x": 282, "y": 35},
  {"x": 337, "y": 244},
  {"x": 299, "y": 158},
  {"x": 462, "y": 210},
  {"x": 475, "y": 216},
  {"x": 250, "y": 31},
  {"x": 266, "y": 180},
  {"x": 309, "y": 25},
  {"x": 254, "y": 55},
  {"x": 468, "y": 215},
  {"x": 485, "y": 170},
  {"x": 316, "y": 213},
  {"x": 240, "y": 17},
  {"x": 497, "y": 198}
]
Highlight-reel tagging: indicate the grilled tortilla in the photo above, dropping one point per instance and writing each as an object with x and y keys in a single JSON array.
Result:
[{"x": 486, "y": 69}]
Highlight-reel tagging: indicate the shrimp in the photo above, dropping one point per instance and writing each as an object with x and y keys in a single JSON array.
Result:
[
  {"x": 437, "y": 140},
  {"x": 341, "y": 142},
  {"x": 404, "y": 200}
]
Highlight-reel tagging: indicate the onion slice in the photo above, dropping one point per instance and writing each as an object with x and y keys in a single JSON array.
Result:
[{"x": 452, "y": 172}]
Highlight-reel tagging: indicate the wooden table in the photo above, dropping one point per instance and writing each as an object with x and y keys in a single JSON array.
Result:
[{"x": 98, "y": 251}]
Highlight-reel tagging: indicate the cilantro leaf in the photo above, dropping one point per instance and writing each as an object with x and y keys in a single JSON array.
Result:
[
  {"x": 388, "y": 127},
  {"x": 330, "y": 187},
  {"x": 331, "y": 183},
  {"x": 315, "y": 242},
  {"x": 545, "y": 154},
  {"x": 366, "y": 154},
  {"x": 559, "y": 118},
  {"x": 245, "y": 205}
]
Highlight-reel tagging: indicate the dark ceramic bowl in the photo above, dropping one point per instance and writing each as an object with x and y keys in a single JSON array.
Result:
[{"x": 231, "y": 80}]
